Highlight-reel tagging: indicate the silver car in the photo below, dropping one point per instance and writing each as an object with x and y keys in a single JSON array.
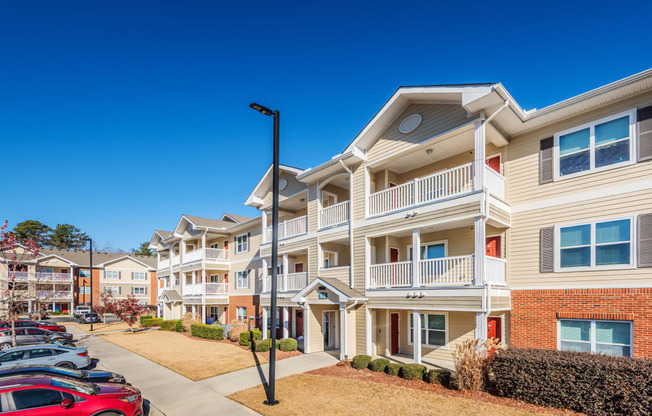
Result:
[
  {"x": 31, "y": 336},
  {"x": 54, "y": 355}
]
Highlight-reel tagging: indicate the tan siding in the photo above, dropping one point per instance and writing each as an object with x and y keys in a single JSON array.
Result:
[
  {"x": 341, "y": 273},
  {"x": 351, "y": 331},
  {"x": 500, "y": 215},
  {"x": 293, "y": 187},
  {"x": 313, "y": 208},
  {"x": 500, "y": 302},
  {"x": 247, "y": 260},
  {"x": 441, "y": 303}
]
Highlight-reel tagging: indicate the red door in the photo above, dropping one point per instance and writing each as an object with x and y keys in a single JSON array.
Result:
[
  {"x": 298, "y": 268},
  {"x": 226, "y": 278},
  {"x": 494, "y": 163},
  {"x": 298, "y": 326},
  {"x": 393, "y": 258},
  {"x": 394, "y": 334},
  {"x": 226, "y": 314},
  {"x": 494, "y": 246},
  {"x": 493, "y": 328}
]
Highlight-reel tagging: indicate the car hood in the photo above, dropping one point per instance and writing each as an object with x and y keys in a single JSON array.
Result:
[{"x": 113, "y": 388}]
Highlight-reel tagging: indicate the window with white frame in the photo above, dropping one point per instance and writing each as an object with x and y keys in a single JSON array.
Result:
[
  {"x": 430, "y": 251},
  {"x": 599, "y": 145},
  {"x": 596, "y": 245},
  {"x": 114, "y": 290},
  {"x": 214, "y": 278},
  {"x": 139, "y": 275},
  {"x": 242, "y": 279},
  {"x": 215, "y": 313},
  {"x": 139, "y": 290},
  {"x": 84, "y": 290},
  {"x": 241, "y": 313},
  {"x": 242, "y": 243},
  {"x": 269, "y": 316},
  {"x": 433, "y": 329},
  {"x": 112, "y": 274},
  {"x": 214, "y": 245},
  {"x": 602, "y": 337},
  {"x": 84, "y": 273}
]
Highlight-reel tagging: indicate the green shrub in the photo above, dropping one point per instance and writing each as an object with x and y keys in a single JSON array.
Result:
[
  {"x": 247, "y": 336},
  {"x": 361, "y": 361},
  {"x": 178, "y": 326},
  {"x": 262, "y": 345},
  {"x": 144, "y": 317},
  {"x": 151, "y": 322},
  {"x": 207, "y": 331},
  {"x": 379, "y": 365},
  {"x": 442, "y": 377},
  {"x": 171, "y": 324},
  {"x": 413, "y": 371},
  {"x": 288, "y": 344},
  {"x": 55, "y": 313},
  {"x": 393, "y": 369},
  {"x": 594, "y": 384}
]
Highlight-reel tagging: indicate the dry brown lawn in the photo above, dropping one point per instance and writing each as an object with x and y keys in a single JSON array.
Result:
[
  {"x": 309, "y": 394},
  {"x": 192, "y": 358},
  {"x": 100, "y": 328}
]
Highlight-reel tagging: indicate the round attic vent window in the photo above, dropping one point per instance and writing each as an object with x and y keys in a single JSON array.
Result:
[
  {"x": 282, "y": 184},
  {"x": 410, "y": 123}
]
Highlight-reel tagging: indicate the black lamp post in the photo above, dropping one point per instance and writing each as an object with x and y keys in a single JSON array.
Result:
[
  {"x": 271, "y": 400},
  {"x": 90, "y": 241}
]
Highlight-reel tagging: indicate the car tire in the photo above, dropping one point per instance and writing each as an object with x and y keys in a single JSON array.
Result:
[
  {"x": 5, "y": 346},
  {"x": 67, "y": 364}
]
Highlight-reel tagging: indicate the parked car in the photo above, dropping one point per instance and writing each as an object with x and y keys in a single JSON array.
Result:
[
  {"x": 32, "y": 324},
  {"x": 51, "y": 395},
  {"x": 88, "y": 376},
  {"x": 86, "y": 319},
  {"x": 30, "y": 336},
  {"x": 48, "y": 354},
  {"x": 81, "y": 310},
  {"x": 50, "y": 326}
]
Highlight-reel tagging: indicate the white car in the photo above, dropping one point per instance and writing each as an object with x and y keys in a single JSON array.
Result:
[
  {"x": 81, "y": 311},
  {"x": 55, "y": 355}
]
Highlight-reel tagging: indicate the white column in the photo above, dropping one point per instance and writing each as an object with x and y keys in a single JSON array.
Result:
[
  {"x": 71, "y": 307},
  {"x": 480, "y": 156},
  {"x": 182, "y": 251},
  {"x": 264, "y": 265},
  {"x": 263, "y": 218},
  {"x": 416, "y": 257},
  {"x": 367, "y": 262},
  {"x": 480, "y": 251},
  {"x": 264, "y": 323},
  {"x": 54, "y": 305},
  {"x": 416, "y": 335},
  {"x": 294, "y": 322},
  {"x": 285, "y": 273},
  {"x": 203, "y": 314},
  {"x": 343, "y": 340},
  {"x": 194, "y": 311},
  {"x": 368, "y": 331},
  {"x": 481, "y": 326},
  {"x": 285, "y": 322},
  {"x": 306, "y": 328}
]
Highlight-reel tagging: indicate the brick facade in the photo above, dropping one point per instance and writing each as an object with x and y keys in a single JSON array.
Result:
[
  {"x": 534, "y": 314},
  {"x": 252, "y": 303}
]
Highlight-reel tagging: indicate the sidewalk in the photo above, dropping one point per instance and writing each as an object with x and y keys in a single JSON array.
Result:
[{"x": 170, "y": 393}]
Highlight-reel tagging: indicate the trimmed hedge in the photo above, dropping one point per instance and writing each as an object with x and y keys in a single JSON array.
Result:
[
  {"x": 207, "y": 331},
  {"x": 442, "y": 377},
  {"x": 178, "y": 326},
  {"x": 144, "y": 317},
  {"x": 393, "y": 369},
  {"x": 288, "y": 344},
  {"x": 171, "y": 325},
  {"x": 379, "y": 365},
  {"x": 151, "y": 322},
  {"x": 262, "y": 345},
  {"x": 595, "y": 384},
  {"x": 413, "y": 371},
  {"x": 361, "y": 361},
  {"x": 247, "y": 336}
]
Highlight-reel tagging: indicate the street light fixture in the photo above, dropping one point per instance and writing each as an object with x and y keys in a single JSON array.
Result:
[
  {"x": 90, "y": 241},
  {"x": 271, "y": 400}
]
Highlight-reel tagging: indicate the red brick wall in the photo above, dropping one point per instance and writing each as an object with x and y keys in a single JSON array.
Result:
[
  {"x": 79, "y": 281},
  {"x": 252, "y": 303},
  {"x": 534, "y": 314}
]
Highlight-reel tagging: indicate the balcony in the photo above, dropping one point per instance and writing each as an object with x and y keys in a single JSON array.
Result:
[
  {"x": 213, "y": 255},
  {"x": 334, "y": 215},
  {"x": 53, "y": 277},
  {"x": 51, "y": 295},
  {"x": 208, "y": 289},
  {"x": 289, "y": 228},
  {"x": 432, "y": 188},
  {"x": 290, "y": 282},
  {"x": 165, "y": 263},
  {"x": 19, "y": 275}
]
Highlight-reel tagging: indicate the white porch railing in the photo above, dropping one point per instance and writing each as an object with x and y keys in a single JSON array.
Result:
[
  {"x": 19, "y": 275},
  {"x": 450, "y": 182},
  {"x": 495, "y": 183},
  {"x": 289, "y": 228},
  {"x": 447, "y": 271},
  {"x": 496, "y": 271},
  {"x": 334, "y": 215},
  {"x": 44, "y": 295},
  {"x": 191, "y": 256},
  {"x": 199, "y": 289},
  {"x": 387, "y": 275},
  {"x": 53, "y": 276},
  {"x": 293, "y": 282},
  {"x": 175, "y": 260},
  {"x": 217, "y": 254},
  {"x": 163, "y": 264}
]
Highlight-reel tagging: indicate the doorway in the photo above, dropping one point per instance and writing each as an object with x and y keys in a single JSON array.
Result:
[
  {"x": 494, "y": 246},
  {"x": 494, "y": 163},
  {"x": 298, "y": 326},
  {"x": 494, "y": 328},
  {"x": 329, "y": 330},
  {"x": 298, "y": 267},
  {"x": 394, "y": 334}
]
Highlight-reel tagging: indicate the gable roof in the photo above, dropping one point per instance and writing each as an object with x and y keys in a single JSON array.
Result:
[
  {"x": 345, "y": 293},
  {"x": 255, "y": 199},
  {"x": 170, "y": 295},
  {"x": 81, "y": 257}
]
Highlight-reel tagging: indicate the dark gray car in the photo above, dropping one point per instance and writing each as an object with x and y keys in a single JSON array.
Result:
[{"x": 31, "y": 336}]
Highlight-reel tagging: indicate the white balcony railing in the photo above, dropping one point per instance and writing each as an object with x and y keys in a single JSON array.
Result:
[
  {"x": 19, "y": 275},
  {"x": 163, "y": 264},
  {"x": 387, "y": 275},
  {"x": 208, "y": 289},
  {"x": 289, "y": 228},
  {"x": 446, "y": 271},
  {"x": 431, "y": 188},
  {"x": 217, "y": 254},
  {"x": 287, "y": 283},
  {"x": 334, "y": 215},
  {"x": 53, "y": 276},
  {"x": 495, "y": 183},
  {"x": 496, "y": 271},
  {"x": 49, "y": 295}
]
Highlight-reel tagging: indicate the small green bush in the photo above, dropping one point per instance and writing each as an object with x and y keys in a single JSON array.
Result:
[
  {"x": 288, "y": 344},
  {"x": 413, "y": 372},
  {"x": 55, "y": 313},
  {"x": 178, "y": 326},
  {"x": 207, "y": 331},
  {"x": 262, "y": 345},
  {"x": 247, "y": 336},
  {"x": 361, "y": 361},
  {"x": 170, "y": 324},
  {"x": 144, "y": 317},
  {"x": 442, "y": 377},
  {"x": 151, "y": 322},
  {"x": 379, "y": 365},
  {"x": 393, "y": 369}
]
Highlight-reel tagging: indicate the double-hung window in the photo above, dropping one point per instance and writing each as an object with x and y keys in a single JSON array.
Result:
[
  {"x": 242, "y": 279},
  {"x": 269, "y": 317},
  {"x": 241, "y": 312},
  {"x": 242, "y": 243},
  {"x": 84, "y": 273},
  {"x": 603, "y": 337},
  {"x": 430, "y": 251},
  {"x": 595, "y": 146},
  {"x": 433, "y": 329},
  {"x": 139, "y": 290},
  {"x": 112, "y": 274},
  {"x": 114, "y": 290},
  {"x": 138, "y": 276},
  {"x": 596, "y": 245}
]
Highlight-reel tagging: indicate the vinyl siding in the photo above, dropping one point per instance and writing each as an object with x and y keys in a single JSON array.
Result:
[
  {"x": 293, "y": 187},
  {"x": 340, "y": 273},
  {"x": 246, "y": 260},
  {"x": 432, "y": 302}
]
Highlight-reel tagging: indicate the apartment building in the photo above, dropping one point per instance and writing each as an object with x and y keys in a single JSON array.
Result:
[
  {"x": 60, "y": 279},
  {"x": 533, "y": 227}
]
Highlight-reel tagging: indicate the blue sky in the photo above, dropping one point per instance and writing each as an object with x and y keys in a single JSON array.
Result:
[{"x": 119, "y": 116}]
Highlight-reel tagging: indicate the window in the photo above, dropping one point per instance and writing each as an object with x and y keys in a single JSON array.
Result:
[
  {"x": 12, "y": 356},
  {"x": 139, "y": 290},
  {"x": 215, "y": 245},
  {"x": 602, "y": 337},
  {"x": 430, "y": 251},
  {"x": 605, "y": 245},
  {"x": 214, "y": 278},
  {"x": 112, "y": 274},
  {"x": 242, "y": 279},
  {"x": 114, "y": 290},
  {"x": 84, "y": 290},
  {"x": 32, "y": 398},
  {"x": 242, "y": 314},
  {"x": 269, "y": 317},
  {"x": 215, "y": 313},
  {"x": 330, "y": 259},
  {"x": 242, "y": 243},
  {"x": 433, "y": 329},
  {"x": 45, "y": 270},
  {"x": 39, "y": 353},
  {"x": 595, "y": 146},
  {"x": 84, "y": 273},
  {"x": 138, "y": 276}
]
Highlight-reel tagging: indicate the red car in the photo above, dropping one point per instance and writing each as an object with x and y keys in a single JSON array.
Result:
[
  {"x": 34, "y": 324},
  {"x": 51, "y": 395}
]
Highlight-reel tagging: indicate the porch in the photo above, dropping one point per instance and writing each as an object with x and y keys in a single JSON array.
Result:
[
  {"x": 293, "y": 218},
  {"x": 292, "y": 272}
]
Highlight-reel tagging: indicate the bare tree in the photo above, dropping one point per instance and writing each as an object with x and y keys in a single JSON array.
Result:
[{"x": 14, "y": 254}]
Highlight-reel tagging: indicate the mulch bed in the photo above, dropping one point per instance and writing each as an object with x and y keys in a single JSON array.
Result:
[
  {"x": 280, "y": 355},
  {"x": 344, "y": 370}
]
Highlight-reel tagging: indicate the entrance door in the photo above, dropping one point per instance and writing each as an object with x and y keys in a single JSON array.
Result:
[
  {"x": 493, "y": 328},
  {"x": 326, "y": 325},
  {"x": 298, "y": 267},
  {"x": 393, "y": 255},
  {"x": 298, "y": 326},
  {"x": 494, "y": 246},
  {"x": 394, "y": 334},
  {"x": 494, "y": 163}
]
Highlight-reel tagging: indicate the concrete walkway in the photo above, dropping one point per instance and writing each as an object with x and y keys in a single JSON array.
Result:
[{"x": 230, "y": 383}]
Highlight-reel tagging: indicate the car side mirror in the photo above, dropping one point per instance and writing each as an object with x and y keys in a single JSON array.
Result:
[{"x": 67, "y": 403}]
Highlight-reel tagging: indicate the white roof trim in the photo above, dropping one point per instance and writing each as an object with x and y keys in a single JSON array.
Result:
[
  {"x": 122, "y": 258},
  {"x": 228, "y": 216},
  {"x": 342, "y": 297},
  {"x": 255, "y": 198},
  {"x": 56, "y": 256}
]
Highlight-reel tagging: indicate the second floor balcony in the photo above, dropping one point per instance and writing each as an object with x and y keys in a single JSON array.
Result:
[
  {"x": 290, "y": 282},
  {"x": 57, "y": 294},
  {"x": 213, "y": 255},
  {"x": 19, "y": 275},
  {"x": 289, "y": 228},
  {"x": 206, "y": 289},
  {"x": 334, "y": 215},
  {"x": 53, "y": 277}
]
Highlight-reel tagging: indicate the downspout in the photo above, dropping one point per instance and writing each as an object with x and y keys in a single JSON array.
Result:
[
  {"x": 344, "y": 342},
  {"x": 351, "y": 252}
]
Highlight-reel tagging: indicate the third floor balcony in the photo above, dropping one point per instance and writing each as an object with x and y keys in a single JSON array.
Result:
[{"x": 288, "y": 228}]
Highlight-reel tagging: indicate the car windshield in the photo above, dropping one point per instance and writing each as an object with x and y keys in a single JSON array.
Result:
[
  {"x": 44, "y": 323},
  {"x": 85, "y": 388}
]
